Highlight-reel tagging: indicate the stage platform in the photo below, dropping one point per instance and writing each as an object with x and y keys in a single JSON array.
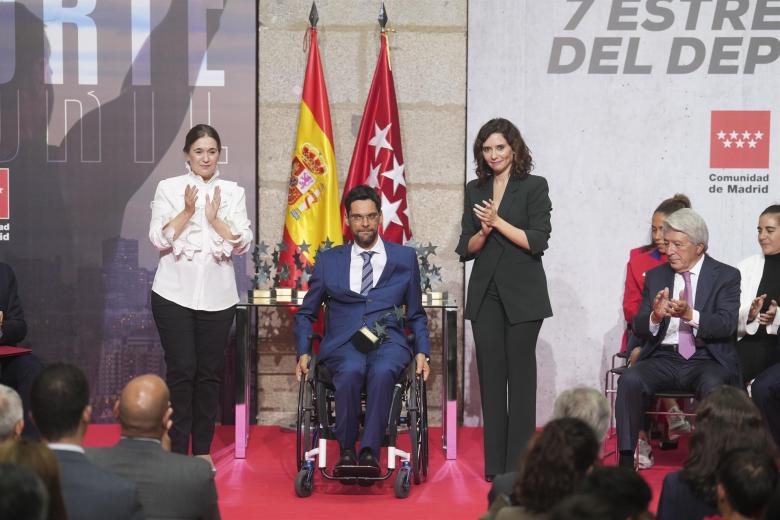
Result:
[{"x": 261, "y": 486}]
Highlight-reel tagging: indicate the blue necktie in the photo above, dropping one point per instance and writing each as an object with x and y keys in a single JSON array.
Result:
[{"x": 367, "y": 278}]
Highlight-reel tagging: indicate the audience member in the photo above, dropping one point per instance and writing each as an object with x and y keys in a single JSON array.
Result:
[
  {"x": 582, "y": 402},
  {"x": 688, "y": 319},
  {"x": 726, "y": 420},
  {"x": 22, "y": 494},
  {"x": 11, "y": 414},
  {"x": 171, "y": 485},
  {"x": 553, "y": 467},
  {"x": 17, "y": 371},
  {"x": 61, "y": 409},
  {"x": 747, "y": 478},
  {"x": 583, "y": 506},
  {"x": 38, "y": 458},
  {"x": 626, "y": 493}
]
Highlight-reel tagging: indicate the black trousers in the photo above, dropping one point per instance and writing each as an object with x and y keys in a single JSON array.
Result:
[
  {"x": 194, "y": 343},
  {"x": 506, "y": 362},
  {"x": 766, "y": 395},
  {"x": 664, "y": 370},
  {"x": 19, "y": 372}
]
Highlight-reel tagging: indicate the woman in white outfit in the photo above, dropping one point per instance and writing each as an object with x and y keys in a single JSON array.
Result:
[{"x": 199, "y": 221}]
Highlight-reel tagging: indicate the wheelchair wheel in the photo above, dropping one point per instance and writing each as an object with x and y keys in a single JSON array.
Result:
[
  {"x": 402, "y": 482},
  {"x": 415, "y": 430},
  {"x": 304, "y": 483},
  {"x": 423, "y": 430},
  {"x": 303, "y": 424}
]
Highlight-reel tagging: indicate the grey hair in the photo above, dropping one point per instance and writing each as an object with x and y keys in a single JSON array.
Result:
[
  {"x": 587, "y": 404},
  {"x": 10, "y": 411},
  {"x": 689, "y": 222}
]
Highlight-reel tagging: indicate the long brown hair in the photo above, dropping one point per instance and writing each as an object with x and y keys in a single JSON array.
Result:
[
  {"x": 555, "y": 464},
  {"x": 522, "y": 162},
  {"x": 38, "y": 458},
  {"x": 725, "y": 420}
]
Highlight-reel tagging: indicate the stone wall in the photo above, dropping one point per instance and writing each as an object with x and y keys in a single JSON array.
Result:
[{"x": 428, "y": 57}]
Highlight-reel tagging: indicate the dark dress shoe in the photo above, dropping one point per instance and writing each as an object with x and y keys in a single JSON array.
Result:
[
  {"x": 347, "y": 458},
  {"x": 367, "y": 458}
]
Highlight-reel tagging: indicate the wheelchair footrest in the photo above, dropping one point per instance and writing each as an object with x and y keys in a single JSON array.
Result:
[{"x": 356, "y": 472}]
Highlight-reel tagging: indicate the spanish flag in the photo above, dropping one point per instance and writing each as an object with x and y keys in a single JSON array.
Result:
[{"x": 312, "y": 219}]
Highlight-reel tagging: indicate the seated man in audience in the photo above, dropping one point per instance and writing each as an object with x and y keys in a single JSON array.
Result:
[
  {"x": 17, "y": 371},
  {"x": 687, "y": 321},
  {"x": 582, "y": 402},
  {"x": 365, "y": 283},
  {"x": 747, "y": 478},
  {"x": 171, "y": 485},
  {"x": 61, "y": 409},
  {"x": 11, "y": 414}
]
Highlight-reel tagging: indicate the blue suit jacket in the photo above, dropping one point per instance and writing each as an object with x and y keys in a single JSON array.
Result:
[
  {"x": 717, "y": 300},
  {"x": 348, "y": 310}
]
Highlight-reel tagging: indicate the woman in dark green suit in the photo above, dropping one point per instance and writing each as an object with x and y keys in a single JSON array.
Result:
[{"x": 505, "y": 229}]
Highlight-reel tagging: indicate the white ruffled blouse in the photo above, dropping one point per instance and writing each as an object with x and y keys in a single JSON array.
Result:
[{"x": 196, "y": 270}]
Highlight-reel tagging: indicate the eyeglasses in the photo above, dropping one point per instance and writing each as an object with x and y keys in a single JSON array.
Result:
[
  {"x": 359, "y": 219},
  {"x": 676, "y": 245}
]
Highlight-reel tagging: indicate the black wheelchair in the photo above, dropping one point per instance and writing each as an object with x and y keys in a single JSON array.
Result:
[{"x": 316, "y": 421}]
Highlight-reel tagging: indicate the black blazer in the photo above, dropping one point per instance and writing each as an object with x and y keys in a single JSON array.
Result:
[
  {"x": 14, "y": 326},
  {"x": 518, "y": 273},
  {"x": 717, "y": 300}
]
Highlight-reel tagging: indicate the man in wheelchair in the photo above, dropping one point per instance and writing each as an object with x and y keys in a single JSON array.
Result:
[{"x": 365, "y": 285}]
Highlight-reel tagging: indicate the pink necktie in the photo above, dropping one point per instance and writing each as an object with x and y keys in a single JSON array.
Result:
[{"x": 685, "y": 340}]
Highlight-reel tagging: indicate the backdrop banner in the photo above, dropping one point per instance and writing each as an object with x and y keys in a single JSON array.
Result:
[
  {"x": 95, "y": 100},
  {"x": 624, "y": 103}
]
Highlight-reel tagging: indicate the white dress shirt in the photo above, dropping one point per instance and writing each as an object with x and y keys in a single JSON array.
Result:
[
  {"x": 378, "y": 262},
  {"x": 752, "y": 269},
  {"x": 196, "y": 269},
  {"x": 674, "y": 294}
]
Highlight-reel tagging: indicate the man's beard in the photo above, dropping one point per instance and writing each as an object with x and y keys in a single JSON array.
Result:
[{"x": 365, "y": 244}]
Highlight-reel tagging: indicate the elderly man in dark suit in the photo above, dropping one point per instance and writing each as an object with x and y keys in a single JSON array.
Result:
[
  {"x": 688, "y": 322},
  {"x": 61, "y": 409},
  {"x": 19, "y": 370},
  {"x": 363, "y": 284},
  {"x": 171, "y": 485}
]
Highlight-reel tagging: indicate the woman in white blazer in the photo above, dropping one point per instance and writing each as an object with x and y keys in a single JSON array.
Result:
[{"x": 758, "y": 348}]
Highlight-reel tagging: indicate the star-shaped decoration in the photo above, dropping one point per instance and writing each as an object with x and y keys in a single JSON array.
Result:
[
  {"x": 740, "y": 143},
  {"x": 430, "y": 249},
  {"x": 284, "y": 272},
  {"x": 327, "y": 244},
  {"x": 282, "y": 246},
  {"x": 745, "y": 135},
  {"x": 752, "y": 144},
  {"x": 759, "y": 135},
  {"x": 726, "y": 144},
  {"x": 380, "y": 330},
  {"x": 721, "y": 135},
  {"x": 397, "y": 174},
  {"x": 399, "y": 313},
  {"x": 390, "y": 212},
  {"x": 379, "y": 140},
  {"x": 262, "y": 248},
  {"x": 373, "y": 176},
  {"x": 733, "y": 135},
  {"x": 306, "y": 276},
  {"x": 304, "y": 247}
]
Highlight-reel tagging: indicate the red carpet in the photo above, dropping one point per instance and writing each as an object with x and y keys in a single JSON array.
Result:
[{"x": 261, "y": 486}]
